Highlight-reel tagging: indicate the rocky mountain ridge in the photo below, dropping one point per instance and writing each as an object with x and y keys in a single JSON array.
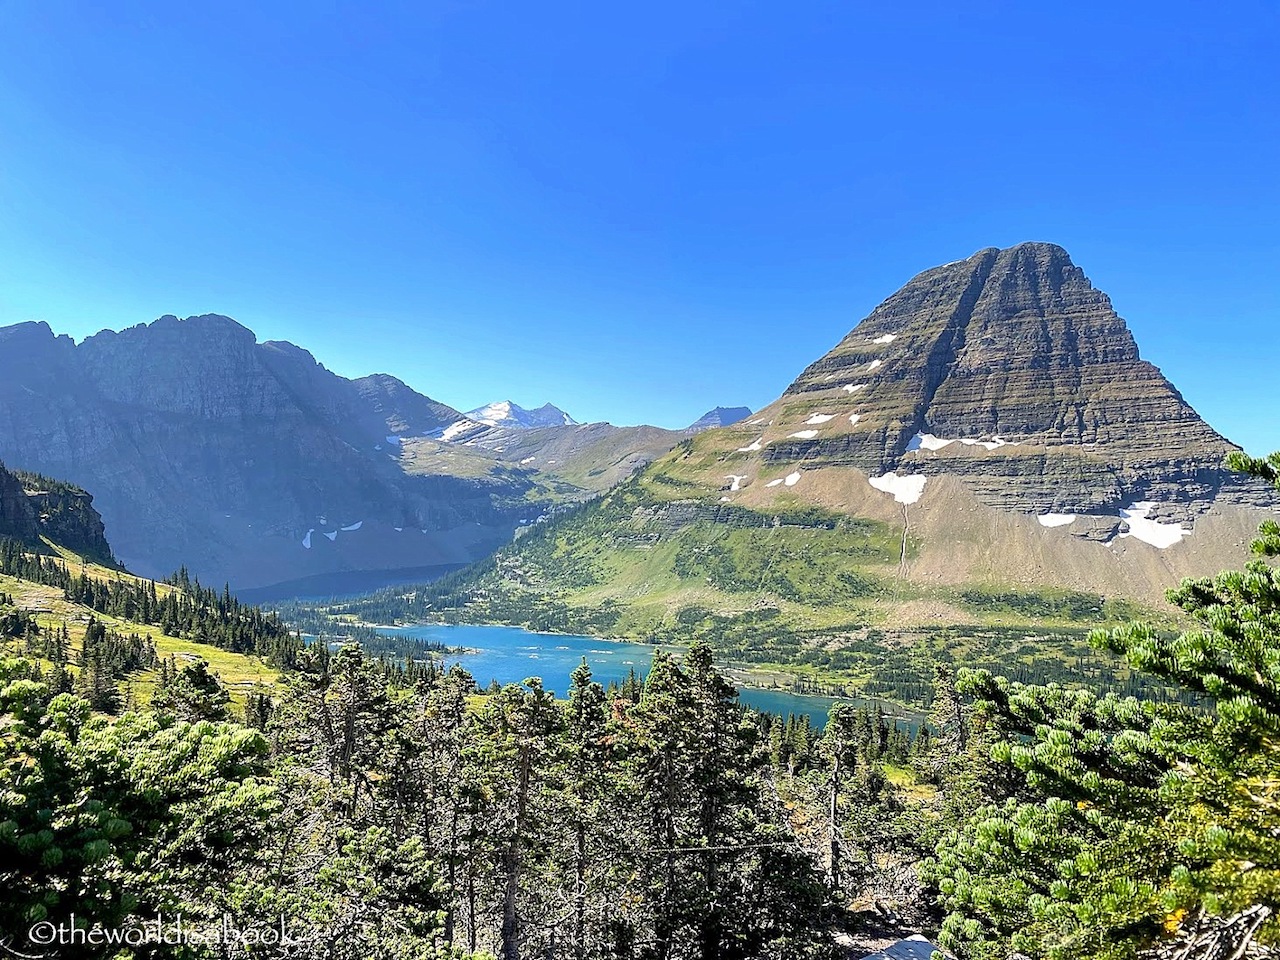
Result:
[{"x": 252, "y": 463}]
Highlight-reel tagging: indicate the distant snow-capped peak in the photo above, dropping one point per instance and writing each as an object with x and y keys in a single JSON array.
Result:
[{"x": 504, "y": 413}]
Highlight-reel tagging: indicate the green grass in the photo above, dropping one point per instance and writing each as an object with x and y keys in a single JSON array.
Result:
[
  {"x": 799, "y": 590},
  {"x": 909, "y": 785},
  {"x": 241, "y": 673}
]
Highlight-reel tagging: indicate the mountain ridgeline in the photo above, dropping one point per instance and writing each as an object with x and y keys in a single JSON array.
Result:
[{"x": 251, "y": 463}]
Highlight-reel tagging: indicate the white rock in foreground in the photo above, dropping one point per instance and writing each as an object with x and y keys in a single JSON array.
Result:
[
  {"x": 907, "y": 489},
  {"x": 1159, "y": 535}
]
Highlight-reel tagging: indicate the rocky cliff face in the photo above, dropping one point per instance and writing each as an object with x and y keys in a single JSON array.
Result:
[
  {"x": 244, "y": 461},
  {"x": 1012, "y": 372},
  {"x": 17, "y": 516},
  {"x": 32, "y": 506}
]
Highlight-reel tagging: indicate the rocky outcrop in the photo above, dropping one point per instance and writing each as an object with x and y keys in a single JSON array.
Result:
[
  {"x": 18, "y": 520},
  {"x": 32, "y": 507}
]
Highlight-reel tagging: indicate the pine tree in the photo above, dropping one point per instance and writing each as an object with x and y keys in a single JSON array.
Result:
[
  {"x": 1137, "y": 825},
  {"x": 587, "y": 788},
  {"x": 840, "y": 747},
  {"x": 191, "y": 692}
]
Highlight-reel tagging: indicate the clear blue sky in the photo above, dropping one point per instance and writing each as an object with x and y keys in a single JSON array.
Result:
[{"x": 638, "y": 211}]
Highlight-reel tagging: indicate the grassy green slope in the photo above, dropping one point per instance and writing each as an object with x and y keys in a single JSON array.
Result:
[
  {"x": 795, "y": 590},
  {"x": 239, "y": 672}
]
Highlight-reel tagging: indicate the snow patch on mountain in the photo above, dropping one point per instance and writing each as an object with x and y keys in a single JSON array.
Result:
[
  {"x": 457, "y": 428},
  {"x": 505, "y": 413},
  {"x": 906, "y": 489},
  {"x": 1056, "y": 519},
  {"x": 927, "y": 441},
  {"x": 1159, "y": 535}
]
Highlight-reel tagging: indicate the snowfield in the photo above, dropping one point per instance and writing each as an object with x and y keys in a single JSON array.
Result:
[
  {"x": 1056, "y": 519},
  {"x": 905, "y": 490},
  {"x": 1162, "y": 536},
  {"x": 927, "y": 441}
]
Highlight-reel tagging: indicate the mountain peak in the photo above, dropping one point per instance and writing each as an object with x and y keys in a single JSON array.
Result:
[
  {"x": 719, "y": 417},
  {"x": 506, "y": 413},
  {"x": 1012, "y": 372}
]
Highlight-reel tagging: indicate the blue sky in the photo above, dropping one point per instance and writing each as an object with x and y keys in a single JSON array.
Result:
[{"x": 638, "y": 211}]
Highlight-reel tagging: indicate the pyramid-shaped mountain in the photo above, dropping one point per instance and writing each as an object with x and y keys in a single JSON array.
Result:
[
  {"x": 989, "y": 432},
  {"x": 719, "y": 417},
  {"x": 1010, "y": 372}
]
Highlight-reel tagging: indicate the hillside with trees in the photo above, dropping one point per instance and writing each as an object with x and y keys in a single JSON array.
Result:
[{"x": 390, "y": 809}]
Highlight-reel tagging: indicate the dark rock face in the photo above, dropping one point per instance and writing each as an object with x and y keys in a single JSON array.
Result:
[
  {"x": 718, "y": 417},
  {"x": 1014, "y": 345},
  {"x": 207, "y": 448},
  {"x": 32, "y": 506},
  {"x": 18, "y": 520}
]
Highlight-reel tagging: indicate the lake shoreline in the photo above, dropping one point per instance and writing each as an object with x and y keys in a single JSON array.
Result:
[{"x": 766, "y": 685}]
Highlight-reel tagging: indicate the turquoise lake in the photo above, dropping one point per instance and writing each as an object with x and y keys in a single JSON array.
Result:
[{"x": 512, "y": 654}]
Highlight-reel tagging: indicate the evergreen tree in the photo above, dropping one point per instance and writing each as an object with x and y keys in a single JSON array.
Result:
[
  {"x": 1138, "y": 825},
  {"x": 191, "y": 692}
]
